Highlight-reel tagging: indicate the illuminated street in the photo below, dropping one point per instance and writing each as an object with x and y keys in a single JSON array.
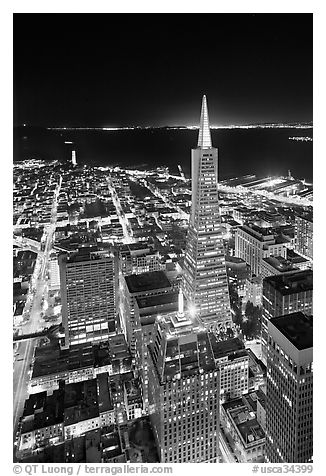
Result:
[
  {"x": 127, "y": 231},
  {"x": 25, "y": 349}
]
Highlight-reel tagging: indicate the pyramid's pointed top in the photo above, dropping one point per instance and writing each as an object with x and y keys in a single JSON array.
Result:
[{"x": 204, "y": 138}]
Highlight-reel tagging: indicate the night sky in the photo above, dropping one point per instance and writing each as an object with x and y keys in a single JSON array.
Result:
[{"x": 144, "y": 69}]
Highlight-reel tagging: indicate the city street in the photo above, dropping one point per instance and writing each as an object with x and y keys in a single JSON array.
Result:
[
  {"x": 25, "y": 350},
  {"x": 158, "y": 194},
  {"x": 127, "y": 231}
]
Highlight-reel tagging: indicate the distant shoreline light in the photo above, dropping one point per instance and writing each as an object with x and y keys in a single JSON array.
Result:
[
  {"x": 301, "y": 139},
  {"x": 231, "y": 126}
]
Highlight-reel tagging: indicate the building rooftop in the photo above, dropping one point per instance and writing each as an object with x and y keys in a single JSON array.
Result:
[
  {"x": 41, "y": 411},
  {"x": 87, "y": 252},
  {"x": 157, "y": 300},
  {"x": 280, "y": 264},
  {"x": 133, "y": 246},
  {"x": 50, "y": 359},
  {"x": 235, "y": 260},
  {"x": 181, "y": 346},
  {"x": 306, "y": 216},
  {"x": 133, "y": 392},
  {"x": 226, "y": 347},
  {"x": 80, "y": 402},
  {"x": 242, "y": 413},
  {"x": 295, "y": 258},
  {"x": 291, "y": 283},
  {"x": 104, "y": 396},
  {"x": 258, "y": 232},
  {"x": 297, "y": 328},
  {"x": 138, "y": 283}
]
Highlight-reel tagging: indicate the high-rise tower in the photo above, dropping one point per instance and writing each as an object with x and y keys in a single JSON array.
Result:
[
  {"x": 289, "y": 402},
  {"x": 204, "y": 275},
  {"x": 183, "y": 390},
  {"x": 88, "y": 281}
]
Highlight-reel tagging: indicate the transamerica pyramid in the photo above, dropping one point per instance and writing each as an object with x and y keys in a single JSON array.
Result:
[{"x": 204, "y": 280}]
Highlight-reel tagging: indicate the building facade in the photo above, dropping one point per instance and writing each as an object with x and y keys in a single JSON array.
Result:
[
  {"x": 204, "y": 282},
  {"x": 285, "y": 294},
  {"x": 303, "y": 235},
  {"x": 289, "y": 402},
  {"x": 88, "y": 283},
  {"x": 183, "y": 391},
  {"x": 232, "y": 360},
  {"x": 146, "y": 311},
  {"x": 253, "y": 243},
  {"x": 137, "y": 286}
]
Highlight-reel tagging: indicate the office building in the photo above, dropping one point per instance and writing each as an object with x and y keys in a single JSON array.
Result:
[
  {"x": 78, "y": 362},
  {"x": 204, "y": 282},
  {"x": 289, "y": 389},
  {"x": 137, "y": 258},
  {"x": 276, "y": 265},
  {"x": 239, "y": 416},
  {"x": 285, "y": 294},
  {"x": 254, "y": 291},
  {"x": 88, "y": 283},
  {"x": 303, "y": 235},
  {"x": 136, "y": 286},
  {"x": 237, "y": 271},
  {"x": 54, "y": 273},
  {"x": 183, "y": 391},
  {"x": 232, "y": 360},
  {"x": 146, "y": 311},
  {"x": 253, "y": 243}
]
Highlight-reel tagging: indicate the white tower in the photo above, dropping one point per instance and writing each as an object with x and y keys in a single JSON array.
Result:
[{"x": 73, "y": 158}]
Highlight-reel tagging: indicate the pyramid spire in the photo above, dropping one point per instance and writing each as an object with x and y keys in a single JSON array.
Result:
[{"x": 204, "y": 137}]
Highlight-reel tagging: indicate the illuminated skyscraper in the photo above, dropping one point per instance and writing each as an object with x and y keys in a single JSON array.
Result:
[
  {"x": 183, "y": 390},
  {"x": 284, "y": 294},
  {"x": 204, "y": 278},
  {"x": 289, "y": 402},
  {"x": 88, "y": 281}
]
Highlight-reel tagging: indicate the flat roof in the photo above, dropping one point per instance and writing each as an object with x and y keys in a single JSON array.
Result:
[
  {"x": 306, "y": 216},
  {"x": 104, "y": 397},
  {"x": 80, "y": 401},
  {"x": 134, "y": 246},
  {"x": 279, "y": 263},
  {"x": 243, "y": 415},
  {"x": 50, "y": 359},
  {"x": 138, "y": 283},
  {"x": 291, "y": 283},
  {"x": 158, "y": 300},
  {"x": 225, "y": 347},
  {"x": 295, "y": 257},
  {"x": 46, "y": 410},
  {"x": 255, "y": 230},
  {"x": 297, "y": 328}
]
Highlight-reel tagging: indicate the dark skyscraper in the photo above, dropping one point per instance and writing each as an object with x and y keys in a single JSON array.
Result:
[{"x": 204, "y": 279}]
